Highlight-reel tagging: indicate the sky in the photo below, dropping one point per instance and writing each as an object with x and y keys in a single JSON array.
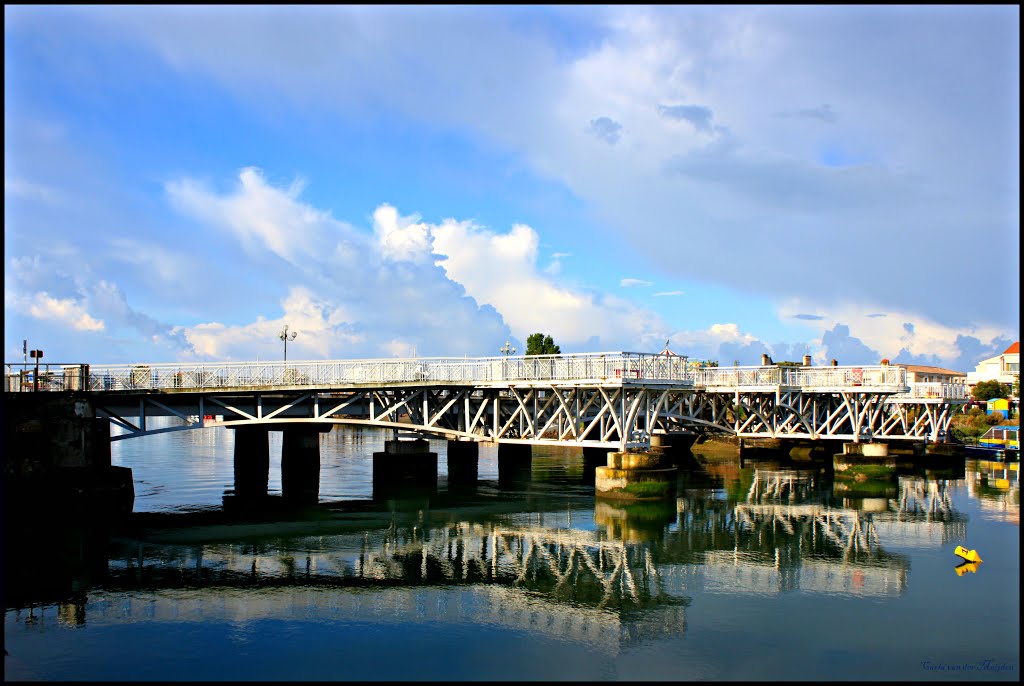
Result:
[{"x": 181, "y": 183}]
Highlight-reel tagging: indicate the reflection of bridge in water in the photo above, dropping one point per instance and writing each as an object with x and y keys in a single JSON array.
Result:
[
  {"x": 788, "y": 536},
  {"x": 568, "y": 583},
  {"x": 628, "y": 579}
]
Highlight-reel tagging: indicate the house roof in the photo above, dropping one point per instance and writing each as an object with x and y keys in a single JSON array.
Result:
[
  {"x": 1015, "y": 348},
  {"x": 920, "y": 368}
]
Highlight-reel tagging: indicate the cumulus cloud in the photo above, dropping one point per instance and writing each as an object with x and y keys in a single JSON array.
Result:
[
  {"x": 261, "y": 216},
  {"x": 857, "y": 333},
  {"x": 354, "y": 293},
  {"x": 401, "y": 238},
  {"x": 64, "y": 310},
  {"x": 320, "y": 328},
  {"x": 501, "y": 270}
]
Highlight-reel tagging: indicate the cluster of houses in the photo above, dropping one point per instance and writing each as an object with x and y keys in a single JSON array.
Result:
[{"x": 1004, "y": 368}]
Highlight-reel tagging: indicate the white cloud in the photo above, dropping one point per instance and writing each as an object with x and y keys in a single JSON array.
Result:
[
  {"x": 33, "y": 191},
  {"x": 353, "y": 293},
  {"x": 262, "y": 216},
  {"x": 917, "y": 335},
  {"x": 632, "y": 283},
  {"x": 666, "y": 294},
  {"x": 401, "y": 238},
  {"x": 501, "y": 270},
  {"x": 711, "y": 338},
  {"x": 65, "y": 311},
  {"x": 319, "y": 327},
  {"x": 155, "y": 261}
]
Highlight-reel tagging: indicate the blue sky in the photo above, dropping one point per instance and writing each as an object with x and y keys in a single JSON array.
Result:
[{"x": 181, "y": 182}]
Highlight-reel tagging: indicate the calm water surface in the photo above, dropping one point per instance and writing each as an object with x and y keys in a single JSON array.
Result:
[{"x": 763, "y": 570}]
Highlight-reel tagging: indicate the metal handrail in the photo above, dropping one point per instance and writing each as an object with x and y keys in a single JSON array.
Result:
[
  {"x": 611, "y": 367},
  {"x": 935, "y": 389},
  {"x": 594, "y": 367}
]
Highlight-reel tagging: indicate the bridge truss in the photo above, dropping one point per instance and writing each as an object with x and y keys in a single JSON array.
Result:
[{"x": 601, "y": 400}]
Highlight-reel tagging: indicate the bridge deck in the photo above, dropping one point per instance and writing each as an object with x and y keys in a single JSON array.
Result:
[{"x": 615, "y": 399}]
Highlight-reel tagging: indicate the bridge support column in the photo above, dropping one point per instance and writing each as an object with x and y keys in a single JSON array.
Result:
[
  {"x": 636, "y": 476},
  {"x": 674, "y": 441},
  {"x": 252, "y": 461},
  {"x": 592, "y": 459},
  {"x": 300, "y": 463},
  {"x": 806, "y": 451},
  {"x": 463, "y": 461},
  {"x": 404, "y": 468},
  {"x": 515, "y": 462}
]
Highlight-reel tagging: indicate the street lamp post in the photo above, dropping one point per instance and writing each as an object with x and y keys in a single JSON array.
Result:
[
  {"x": 285, "y": 337},
  {"x": 508, "y": 349}
]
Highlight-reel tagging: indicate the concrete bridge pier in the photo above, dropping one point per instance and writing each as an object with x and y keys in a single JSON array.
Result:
[
  {"x": 592, "y": 459},
  {"x": 673, "y": 441},
  {"x": 463, "y": 462},
  {"x": 300, "y": 463},
  {"x": 252, "y": 461},
  {"x": 404, "y": 468},
  {"x": 636, "y": 475},
  {"x": 57, "y": 459},
  {"x": 515, "y": 462}
]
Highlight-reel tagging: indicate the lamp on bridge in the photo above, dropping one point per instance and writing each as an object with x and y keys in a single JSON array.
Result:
[
  {"x": 508, "y": 348},
  {"x": 285, "y": 337}
]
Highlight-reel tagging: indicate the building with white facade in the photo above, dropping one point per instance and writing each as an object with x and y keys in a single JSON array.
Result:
[{"x": 1004, "y": 368}]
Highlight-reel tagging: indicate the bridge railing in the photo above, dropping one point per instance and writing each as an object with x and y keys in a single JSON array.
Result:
[
  {"x": 946, "y": 391},
  {"x": 590, "y": 367},
  {"x": 598, "y": 367},
  {"x": 802, "y": 377}
]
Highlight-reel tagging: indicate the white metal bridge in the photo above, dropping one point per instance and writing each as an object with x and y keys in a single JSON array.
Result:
[{"x": 613, "y": 400}]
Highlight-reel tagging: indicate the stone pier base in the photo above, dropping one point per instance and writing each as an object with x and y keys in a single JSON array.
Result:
[{"x": 636, "y": 476}]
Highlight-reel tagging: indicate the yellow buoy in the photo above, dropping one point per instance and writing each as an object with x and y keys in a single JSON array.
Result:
[
  {"x": 969, "y": 555},
  {"x": 971, "y": 567}
]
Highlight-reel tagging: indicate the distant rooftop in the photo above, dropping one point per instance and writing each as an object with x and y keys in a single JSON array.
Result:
[{"x": 920, "y": 368}]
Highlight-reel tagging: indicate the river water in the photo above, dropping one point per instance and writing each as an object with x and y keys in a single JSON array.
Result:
[{"x": 761, "y": 570}]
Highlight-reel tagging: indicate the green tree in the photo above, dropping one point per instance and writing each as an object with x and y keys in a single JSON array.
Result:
[
  {"x": 539, "y": 344},
  {"x": 987, "y": 390}
]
